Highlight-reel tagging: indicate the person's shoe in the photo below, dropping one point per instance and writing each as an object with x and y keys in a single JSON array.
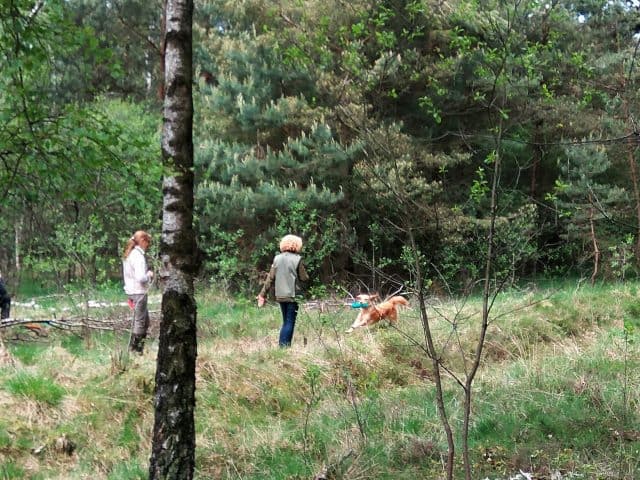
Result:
[{"x": 137, "y": 344}]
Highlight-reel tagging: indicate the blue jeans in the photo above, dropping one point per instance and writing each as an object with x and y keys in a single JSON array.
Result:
[{"x": 289, "y": 314}]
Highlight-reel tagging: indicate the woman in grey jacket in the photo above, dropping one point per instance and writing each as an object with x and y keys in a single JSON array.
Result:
[{"x": 287, "y": 271}]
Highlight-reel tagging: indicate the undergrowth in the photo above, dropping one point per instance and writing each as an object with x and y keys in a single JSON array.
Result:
[{"x": 557, "y": 393}]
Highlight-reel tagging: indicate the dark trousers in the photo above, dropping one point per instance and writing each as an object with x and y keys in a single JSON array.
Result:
[
  {"x": 5, "y": 307},
  {"x": 289, "y": 314},
  {"x": 140, "y": 322},
  {"x": 140, "y": 315}
]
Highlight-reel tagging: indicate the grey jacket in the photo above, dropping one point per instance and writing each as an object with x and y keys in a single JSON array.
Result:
[{"x": 287, "y": 271}]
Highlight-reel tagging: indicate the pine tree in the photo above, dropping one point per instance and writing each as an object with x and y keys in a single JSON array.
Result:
[
  {"x": 265, "y": 143},
  {"x": 587, "y": 202}
]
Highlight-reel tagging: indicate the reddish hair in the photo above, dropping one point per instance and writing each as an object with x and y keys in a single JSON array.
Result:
[{"x": 137, "y": 237}]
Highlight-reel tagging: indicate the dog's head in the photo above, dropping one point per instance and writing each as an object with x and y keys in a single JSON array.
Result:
[{"x": 367, "y": 297}]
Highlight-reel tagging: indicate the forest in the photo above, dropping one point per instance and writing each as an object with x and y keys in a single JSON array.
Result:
[
  {"x": 348, "y": 123},
  {"x": 454, "y": 151}
]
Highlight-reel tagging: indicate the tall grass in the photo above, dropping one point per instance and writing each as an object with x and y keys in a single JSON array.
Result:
[
  {"x": 558, "y": 392},
  {"x": 36, "y": 387}
]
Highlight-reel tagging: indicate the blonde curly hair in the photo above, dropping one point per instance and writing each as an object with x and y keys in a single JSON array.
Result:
[{"x": 291, "y": 243}]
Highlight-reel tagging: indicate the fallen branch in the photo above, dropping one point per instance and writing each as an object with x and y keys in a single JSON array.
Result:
[
  {"x": 324, "y": 306},
  {"x": 64, "y": 323}
]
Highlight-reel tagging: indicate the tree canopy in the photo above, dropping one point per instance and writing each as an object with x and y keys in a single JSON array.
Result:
[{"x": 344, "y": 122}]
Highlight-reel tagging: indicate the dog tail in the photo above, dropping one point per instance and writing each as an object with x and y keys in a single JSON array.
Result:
[{"x": 399, "y": 300}]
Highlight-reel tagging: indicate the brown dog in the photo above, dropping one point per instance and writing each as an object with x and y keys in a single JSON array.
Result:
[{"x": 376, "y": 312}]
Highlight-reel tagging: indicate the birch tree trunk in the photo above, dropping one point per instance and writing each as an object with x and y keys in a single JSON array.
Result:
[
  {"x": 18, "y": 244},
  {"x": 173, "y": 449}
]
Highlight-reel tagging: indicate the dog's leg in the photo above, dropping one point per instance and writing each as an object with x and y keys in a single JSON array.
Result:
[{"x": 357, "y": 322}]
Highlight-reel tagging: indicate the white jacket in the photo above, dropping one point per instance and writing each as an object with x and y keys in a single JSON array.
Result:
[{"x": 136, "y": 275}]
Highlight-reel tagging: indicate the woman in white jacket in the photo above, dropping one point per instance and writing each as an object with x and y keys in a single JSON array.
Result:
[{"x": 137, "y": 278}]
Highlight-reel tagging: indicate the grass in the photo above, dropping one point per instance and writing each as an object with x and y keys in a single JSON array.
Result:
[
  {"x": 10, "y": 470},
  {"x": 557, "y": 392},
  {"x": 35, "y": 387}
]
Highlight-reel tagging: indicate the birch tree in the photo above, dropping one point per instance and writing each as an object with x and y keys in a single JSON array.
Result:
[{"x": 173, "y": 449}]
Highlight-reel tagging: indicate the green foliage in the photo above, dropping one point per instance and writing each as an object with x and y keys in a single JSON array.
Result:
[
  {"x": 126, "y": 67},
  {"x": 516, "y": 243},
  {"x": 74, "y": 344},
  {"x": 28, "y": 353},
  {"x": 272, "y": 147},
  {"x": 463, "y": 256},
  {"x": 546, "y": 401},
  {"x": 320, "y": 234},
  {"x": 5, "y": 437},
  {"x": 279, "y": 463},
  {"x": 115, "y": 184},
  {"x": 350, "y": 127},
  {"x": 9, "y": 470},
  {"x": 622, "y": 258},
  {"x": 533, "y": 421},
  {"x": 480, "y": 187},
  {"x": 131, "y": 470},
  {"x": 414, "y": 261},
  {"x": 35, "y": 387},
  {"x": 86, "y": 158},
  {"x": 38, "y": 127},
  {"x": 381, "y": 112},
  {"x": 129, "y": 437},
  {"x": 224, "y": 256},
  {"x": 591, "y": 202},
  {"x": 350, "y": 112},
  {"x": 217, "y": 316}
]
